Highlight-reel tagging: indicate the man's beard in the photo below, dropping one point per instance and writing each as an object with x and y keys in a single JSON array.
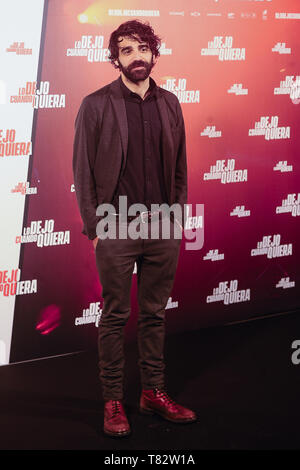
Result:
[{"x": 137, "y": 75}]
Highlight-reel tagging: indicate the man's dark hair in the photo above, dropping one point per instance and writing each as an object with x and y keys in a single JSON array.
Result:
[{"x": 132, "y": 29}]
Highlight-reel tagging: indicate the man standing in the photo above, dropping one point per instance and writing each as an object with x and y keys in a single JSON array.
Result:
[{"x": 130, "y": 142}]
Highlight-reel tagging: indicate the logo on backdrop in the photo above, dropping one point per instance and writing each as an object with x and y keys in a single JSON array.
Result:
[
  {"x": 237, "y": 89},
  {"x": 248, "y": 15},
  {"x": 178, "y": 87},
  {"x": 289, "y": 86},
  {"x": 268, "y": 126},
  {"x": 287, "y": 16},
  {"x": 24, "y": 189},
  {"x": 133, "y": 12},
  {"x": 43, "y": 99},
  {"x": 225, "y": 172},
  {"x": 164, "y": 50},
  {"x": 271, "y": 247},
  {"x": 19, "y": 48},
  {"x": 281, "y": 48},
  {"x": 211, "y": 132},
  {"x": 11, "y": 285},
  {"x": 39, "y": 98},
  {"x": 92, "y": 314},
  {"x": 221, "y": 47},
  {"x": 240, "y": 211},
  {"x": 213, "y": 14},
  {"x": 176, "y": 13},
  {"x": 171, "y": 304},
  {"x": 283, "y": 167},
  {"x": 90, "y": 47},
  {"x": 43, "y": 234},
  {"x": 196, "y": 221},
  {"x": 213, "y": 255},
  {"x": 228, "y": 293},
  {"x": 291, "y": 204},
  {"x": 9, "y": 147},
  {"x": 285, "y": 283}
]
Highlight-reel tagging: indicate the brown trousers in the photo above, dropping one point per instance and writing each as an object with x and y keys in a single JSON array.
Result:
[{"x": 156, "y": 261}]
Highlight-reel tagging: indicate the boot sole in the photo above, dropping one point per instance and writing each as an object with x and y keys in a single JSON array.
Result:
[
  {"x": 147, "y": 411},
  {"x": 117, "y": 434}
]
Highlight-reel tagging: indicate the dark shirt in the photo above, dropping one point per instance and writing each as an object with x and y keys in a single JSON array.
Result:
[{"x": 142, "y": 179}]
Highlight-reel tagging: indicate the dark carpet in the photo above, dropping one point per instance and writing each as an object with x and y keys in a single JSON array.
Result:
[{"x": 239, "y": 378}]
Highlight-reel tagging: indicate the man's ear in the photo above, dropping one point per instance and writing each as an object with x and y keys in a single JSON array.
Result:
[{"x": 154, "y": 59}]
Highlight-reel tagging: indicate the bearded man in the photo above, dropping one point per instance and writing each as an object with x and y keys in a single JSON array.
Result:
[{"x": 130, "y": 142}]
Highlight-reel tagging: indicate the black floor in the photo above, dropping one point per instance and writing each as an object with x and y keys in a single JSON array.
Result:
[{"x": 239, "y": 379}]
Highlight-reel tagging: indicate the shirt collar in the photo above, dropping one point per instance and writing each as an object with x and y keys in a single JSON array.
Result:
[{"x": 127, "y": 93}]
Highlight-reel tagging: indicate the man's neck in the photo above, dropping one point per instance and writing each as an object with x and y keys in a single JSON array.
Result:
[{"x": 140, "y": 88}]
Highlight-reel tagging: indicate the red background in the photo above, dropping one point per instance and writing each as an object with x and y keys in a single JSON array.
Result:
[{"x": 66, "y": 274}]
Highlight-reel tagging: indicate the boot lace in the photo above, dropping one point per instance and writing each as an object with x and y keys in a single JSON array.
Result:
[
  {"x": 162, "y": 392},
  {"x": 116, "y": 407}
]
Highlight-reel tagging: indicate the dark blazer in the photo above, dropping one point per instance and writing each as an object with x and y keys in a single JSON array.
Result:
[{"x": 100, "y": 150}]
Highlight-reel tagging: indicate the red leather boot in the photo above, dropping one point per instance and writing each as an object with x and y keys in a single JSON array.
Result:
[
  {"x": 115, "y": 420},
  {"x": 158, "y": 401}
]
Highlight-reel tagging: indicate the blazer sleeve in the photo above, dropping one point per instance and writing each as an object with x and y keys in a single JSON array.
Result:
[
  {"x": 181, "y": 165},
  {"x": 84, "y": 154}
]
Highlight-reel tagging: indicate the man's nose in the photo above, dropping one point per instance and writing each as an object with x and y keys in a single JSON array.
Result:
[{"x": 137, "y": 55}]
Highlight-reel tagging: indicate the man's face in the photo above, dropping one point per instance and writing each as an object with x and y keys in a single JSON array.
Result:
[{"x": 135, "y": 59}]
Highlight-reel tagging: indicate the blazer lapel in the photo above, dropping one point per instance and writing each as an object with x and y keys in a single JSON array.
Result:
[
  {"x": 120, "y": 112},
  {"x": 168, "y": 148}
]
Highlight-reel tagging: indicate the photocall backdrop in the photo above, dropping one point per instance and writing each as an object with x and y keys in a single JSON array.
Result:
[{"x": 234, "y": 66}]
